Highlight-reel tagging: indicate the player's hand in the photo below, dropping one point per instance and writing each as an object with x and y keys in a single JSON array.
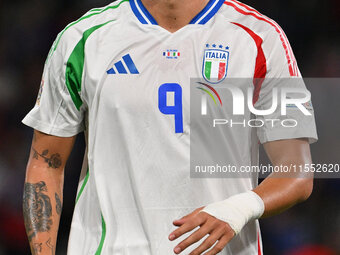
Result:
[{"x": 220, "y": 233}]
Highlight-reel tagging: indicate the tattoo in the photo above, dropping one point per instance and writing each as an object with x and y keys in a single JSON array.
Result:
[
  {"x": 54, "y": 161},
  {"x": 37, "y": 209},
  {"x": 49, "y": 245},
  {"x": 58, "y": 206},
  {"x": 37, "y": 248}
]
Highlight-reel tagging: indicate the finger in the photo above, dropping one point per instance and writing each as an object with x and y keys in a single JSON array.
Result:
[
  {"x": 181, "y": 221},
  {"x": 186, "y": 227},
  {"x": 209, "y": 242},
  {"x": 194, "y": 237},
  {"x": 220, "y": 245},
  {"x": 185, "y": 218}
]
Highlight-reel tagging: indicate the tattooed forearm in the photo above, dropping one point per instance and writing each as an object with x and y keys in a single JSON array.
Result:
[
  {"x": 53, "y": 162},
  {"x": 58, "y": 206},
  {"x": 37, "y": 209}
]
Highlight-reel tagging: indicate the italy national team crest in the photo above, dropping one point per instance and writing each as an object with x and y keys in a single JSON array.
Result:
[{"x": 215, "y": 63}]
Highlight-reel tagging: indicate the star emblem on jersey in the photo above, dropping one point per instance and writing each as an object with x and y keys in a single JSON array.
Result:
[
  {"x": 124, "y": 66},
  {"x": 215, "y": 63}
]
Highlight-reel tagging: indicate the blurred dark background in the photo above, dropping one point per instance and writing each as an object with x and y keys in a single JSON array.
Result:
[{"x": 28, "y": 29}]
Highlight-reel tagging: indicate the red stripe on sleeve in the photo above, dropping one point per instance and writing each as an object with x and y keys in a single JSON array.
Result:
[
  {"x": 290, "y": 60},
  {"x": 260, "y": 65},
  {"x": 272, "y": 23}
]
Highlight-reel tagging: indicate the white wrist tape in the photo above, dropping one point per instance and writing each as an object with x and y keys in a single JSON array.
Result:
[{"x": 237, "y": 210}]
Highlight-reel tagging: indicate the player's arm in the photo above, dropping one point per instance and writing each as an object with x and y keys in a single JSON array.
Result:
[
  {"x": 43, "y": 190},
  {"x": 279, "y": 191}
]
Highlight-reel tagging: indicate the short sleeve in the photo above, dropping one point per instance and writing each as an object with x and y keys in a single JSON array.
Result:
[
  {"x": 283, "y": 78},
  {"x": 55, "y": 112}
]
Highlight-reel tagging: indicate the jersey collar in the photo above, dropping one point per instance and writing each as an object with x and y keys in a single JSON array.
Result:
[{"x": 203, "y": 17}]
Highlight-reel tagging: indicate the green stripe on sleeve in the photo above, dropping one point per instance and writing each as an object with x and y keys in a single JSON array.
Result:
[
  {"x": 75, "y": 67},
  {"x": 92, "y": 13},
  {"x": 100, "y": 247}
]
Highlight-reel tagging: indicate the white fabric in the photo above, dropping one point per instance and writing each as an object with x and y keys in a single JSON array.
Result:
[
  {"x": 139, "y": 179},
  {"x": 237, "y": 210}
]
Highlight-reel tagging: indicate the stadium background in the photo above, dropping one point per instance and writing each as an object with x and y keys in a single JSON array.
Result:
[{"x": 27, "y": 30}]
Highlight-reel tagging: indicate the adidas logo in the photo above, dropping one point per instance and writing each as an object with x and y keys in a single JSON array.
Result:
[{"x": 125, "y": 66}]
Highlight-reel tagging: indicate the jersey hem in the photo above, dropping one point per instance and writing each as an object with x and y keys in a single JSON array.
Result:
[
  {"x": 50, "y": 129},
  {"x": 274, "y": 136}
]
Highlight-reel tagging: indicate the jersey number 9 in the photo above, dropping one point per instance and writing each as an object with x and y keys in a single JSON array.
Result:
[{"x": 177, "y": 108}]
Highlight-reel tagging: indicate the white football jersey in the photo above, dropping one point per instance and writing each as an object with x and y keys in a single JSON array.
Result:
[{"x": 108, "y": 74}]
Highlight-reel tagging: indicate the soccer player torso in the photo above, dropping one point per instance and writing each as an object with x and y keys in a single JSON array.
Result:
[
  {"x": 125, "y": 81},
  {"x": 136, "y": 87},
  {"x": 131, "y": 79}
]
